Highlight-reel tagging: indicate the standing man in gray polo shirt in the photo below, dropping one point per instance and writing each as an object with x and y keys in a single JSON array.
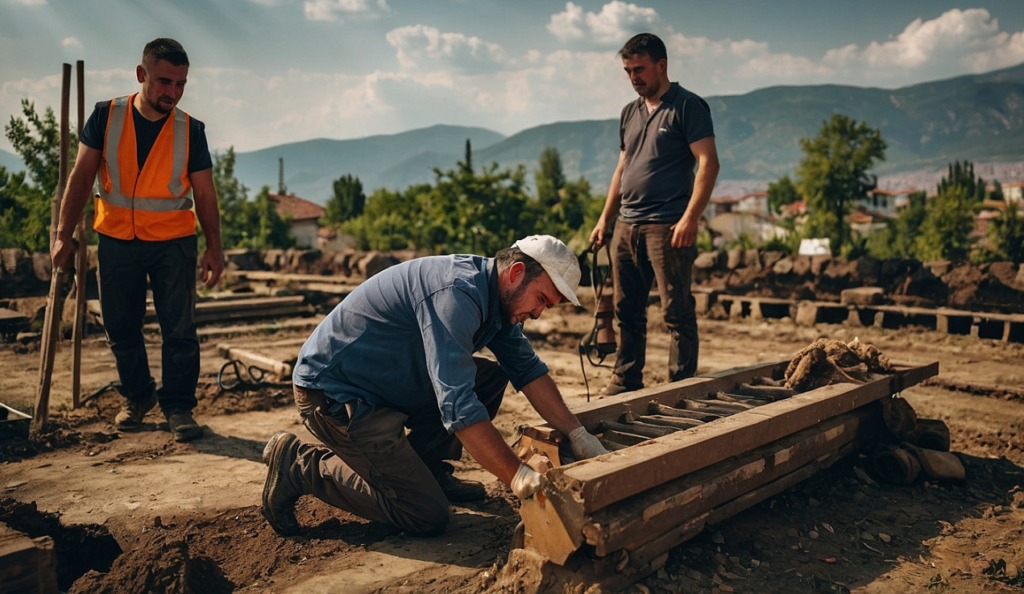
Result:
[{"x": 667, "y": 168}]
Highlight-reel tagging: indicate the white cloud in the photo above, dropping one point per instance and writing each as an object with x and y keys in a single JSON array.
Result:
[
  {"x": 617, "y": 22},
  {"x": 566, "y": 25},
  {"x": 416, "y": 44},
  {"x": 966, "y": 40},
  {"x": 335, "y": 10},
  {"x": 28, "y": 2},
  {"x": 71, "y": 42}
]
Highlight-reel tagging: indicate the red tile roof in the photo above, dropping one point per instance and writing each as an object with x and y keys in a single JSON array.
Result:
[{"x": 300, "y": 209}]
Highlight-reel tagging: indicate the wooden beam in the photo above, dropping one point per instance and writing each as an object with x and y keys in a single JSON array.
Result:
[
  {"x": 280, "y": 368},
  {"x": 601, "y": 481},
  {"x": 643, "y": 555},
  {"x": 671, "y": 394},
  {"x": 630, "y": 523}
]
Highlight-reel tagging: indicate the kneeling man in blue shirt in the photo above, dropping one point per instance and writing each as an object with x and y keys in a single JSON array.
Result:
[{"x": 389, "y": 384}]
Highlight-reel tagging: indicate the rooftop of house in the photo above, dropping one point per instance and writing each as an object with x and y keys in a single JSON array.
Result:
[{"x": 299, "y": 209}]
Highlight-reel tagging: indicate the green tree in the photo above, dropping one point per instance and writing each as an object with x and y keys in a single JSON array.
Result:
[
  {"x": 348, "y": 201},
  {"x": 267, "y": 229},
  {"x": 781, "y": 193},
  {"x": 833, "y": 175},
  {"x": 392, "y": 221},
  {"x": 1007, "y": 235},
  {"x": 25, "y": 200},
  {"x": 232, "y": 199},
  {"x": 899, "y": 238},
  {"x": 947, "y": 225},
  {"x": 549, "y": 177},
  {"x": 961, "y": 175}
]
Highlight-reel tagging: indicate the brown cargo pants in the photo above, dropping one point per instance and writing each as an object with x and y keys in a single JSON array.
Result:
[{"x": 371, "y": 468}]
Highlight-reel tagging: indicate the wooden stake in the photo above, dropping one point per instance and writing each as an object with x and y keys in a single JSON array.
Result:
[
  {"x": 81, "y": 266},
  {"x": 55, "y": 303}
]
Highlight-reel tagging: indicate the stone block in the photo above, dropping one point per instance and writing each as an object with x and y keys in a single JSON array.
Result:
[
  {"x": 806, "y": 314},
  {"x": 734, "y": 258},
  {"x": 706, "y": 260},
  {"x": 783, "y": 266},
  {"x": 862, "y": 296}
]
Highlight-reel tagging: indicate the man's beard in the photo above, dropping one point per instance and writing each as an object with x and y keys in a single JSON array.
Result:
[{"x": 509, "y": 298}]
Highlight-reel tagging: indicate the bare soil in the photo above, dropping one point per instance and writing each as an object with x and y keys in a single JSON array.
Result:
[{"x": 138, "y": 512}]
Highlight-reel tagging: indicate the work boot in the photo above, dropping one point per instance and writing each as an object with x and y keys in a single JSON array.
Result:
[
  {"x": 615, "y": 388},
  {"x": 279, "y": 494},
  {"x": 183, "y": 426},
  {"x": 460, "y": 491},
  {"x": 132, "y": 412}
]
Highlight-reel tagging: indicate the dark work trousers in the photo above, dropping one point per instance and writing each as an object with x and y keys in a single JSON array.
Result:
[
  {"x": 642, "y": 253},
  {"x": 170, "y": 267},
  {"x": 370, "y": 467}
]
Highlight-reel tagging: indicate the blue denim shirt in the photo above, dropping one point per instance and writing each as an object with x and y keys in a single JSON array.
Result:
[{"x": 405, "y": 338}]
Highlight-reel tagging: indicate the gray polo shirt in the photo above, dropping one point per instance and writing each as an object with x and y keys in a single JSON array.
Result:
[{"x": 658, "y": 170}]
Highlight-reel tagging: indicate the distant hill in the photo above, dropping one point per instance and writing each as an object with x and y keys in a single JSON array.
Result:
[
  {"x": 394, "y": 160},
  {"x": 10, "y": 161},
  {"x": 975, "y": 117}
]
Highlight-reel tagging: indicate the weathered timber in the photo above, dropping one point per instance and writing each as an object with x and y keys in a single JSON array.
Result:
[
  {"x": 740, "y": 398},
  {"x": 624, "y": 438},
  {"x": 656, "y": 408},
  {"x": 281, "y": 369},
  {"x": 669, "y": 394},
  {"x": 711, "y": 405},
  {"x": 637, "y": 428},
  {"x": 611, "y": 446},
  {"x": 677, "y": 422},
  {"x": 27, "y": 564},
  {"x": 601, "y": 481},
  {"x": 634, "y": 521},
  {"x": 641, "y": 557},
  {"x": 766, "y": 392}
]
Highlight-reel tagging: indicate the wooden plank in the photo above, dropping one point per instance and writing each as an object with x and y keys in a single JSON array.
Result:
[
  {"x": 26, "y": 564},
  {"x": 637, "y": 428},
  {"x": 643, "y": 555},
  {"x": 601, "y": 481},
  {"x": 593, "y": 413},
  {"x": 250, "y": 358},
  {"x": 630, "y": 523},
  {"x": 677, "y": 422},
  {"x": 624, "y": 438},
  {"x": 656, "y": 408}
]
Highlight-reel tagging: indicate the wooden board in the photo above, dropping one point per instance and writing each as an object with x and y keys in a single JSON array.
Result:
[
  {"x": 601, "y": 481},
  {"x": 632, "y": 522}
]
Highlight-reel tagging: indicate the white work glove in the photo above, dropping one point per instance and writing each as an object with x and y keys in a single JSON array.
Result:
[
  {"x": 585, "y": 445},
  {"x": 526, "y": 482}
]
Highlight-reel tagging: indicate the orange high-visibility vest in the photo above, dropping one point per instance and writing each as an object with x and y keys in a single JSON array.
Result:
[{"x": 154, "y": 204}]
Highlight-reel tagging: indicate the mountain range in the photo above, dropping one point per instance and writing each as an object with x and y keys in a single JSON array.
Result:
[{"x": 974, "y": 117}]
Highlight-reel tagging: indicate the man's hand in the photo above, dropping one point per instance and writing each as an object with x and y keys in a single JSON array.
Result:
[
  {"x": 684, "y": 233},
  {"x": 62, "y": 252},
  {"x": 597, "y": 235},
  {"x": 526, "y": 482},
  {"x": 211, "y": 266},
  {"x": 585, "y": 445}
]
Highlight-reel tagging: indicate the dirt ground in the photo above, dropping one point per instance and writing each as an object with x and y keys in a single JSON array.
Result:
[{"x": 138, "y": 512}]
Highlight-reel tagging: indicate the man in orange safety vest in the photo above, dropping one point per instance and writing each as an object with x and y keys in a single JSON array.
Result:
[{"x": 154, "y": 173}]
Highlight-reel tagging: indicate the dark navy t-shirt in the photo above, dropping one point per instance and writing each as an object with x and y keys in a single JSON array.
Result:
[
  {"x": 658, "y": 166},
  {"x": 94, "y": 134}
]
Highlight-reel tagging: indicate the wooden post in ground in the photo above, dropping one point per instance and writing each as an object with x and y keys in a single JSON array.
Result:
[
  {"x": 81, "y": 265},
  {"x": 55, "y": 304}
]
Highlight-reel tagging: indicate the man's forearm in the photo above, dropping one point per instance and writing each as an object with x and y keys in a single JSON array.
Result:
[
  {"x": 487, "y": 447},
  {"x": 703, "y": 184},
  {"x": 209, "y": 219},
  {"x": 76, "y": 194},
  {"x": 547, "y": 401}
]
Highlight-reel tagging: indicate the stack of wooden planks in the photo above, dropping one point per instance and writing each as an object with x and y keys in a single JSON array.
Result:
[{"x": 690, "y": 454}]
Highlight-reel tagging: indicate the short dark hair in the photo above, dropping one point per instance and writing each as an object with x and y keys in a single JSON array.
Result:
[
  {"x": 506, "y": 257},
  {"x": 645, "y": 43},
  {"x": 164, "y": 49}
]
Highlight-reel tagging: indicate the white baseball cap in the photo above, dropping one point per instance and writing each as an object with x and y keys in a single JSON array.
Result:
[{"x": 558, "y": 261}]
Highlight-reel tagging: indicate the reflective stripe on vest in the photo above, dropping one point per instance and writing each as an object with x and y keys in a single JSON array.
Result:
[{"x": 125, "y": 225}]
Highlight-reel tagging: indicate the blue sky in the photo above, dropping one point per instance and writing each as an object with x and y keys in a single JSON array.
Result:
[{"x": 265, "y": 72}]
